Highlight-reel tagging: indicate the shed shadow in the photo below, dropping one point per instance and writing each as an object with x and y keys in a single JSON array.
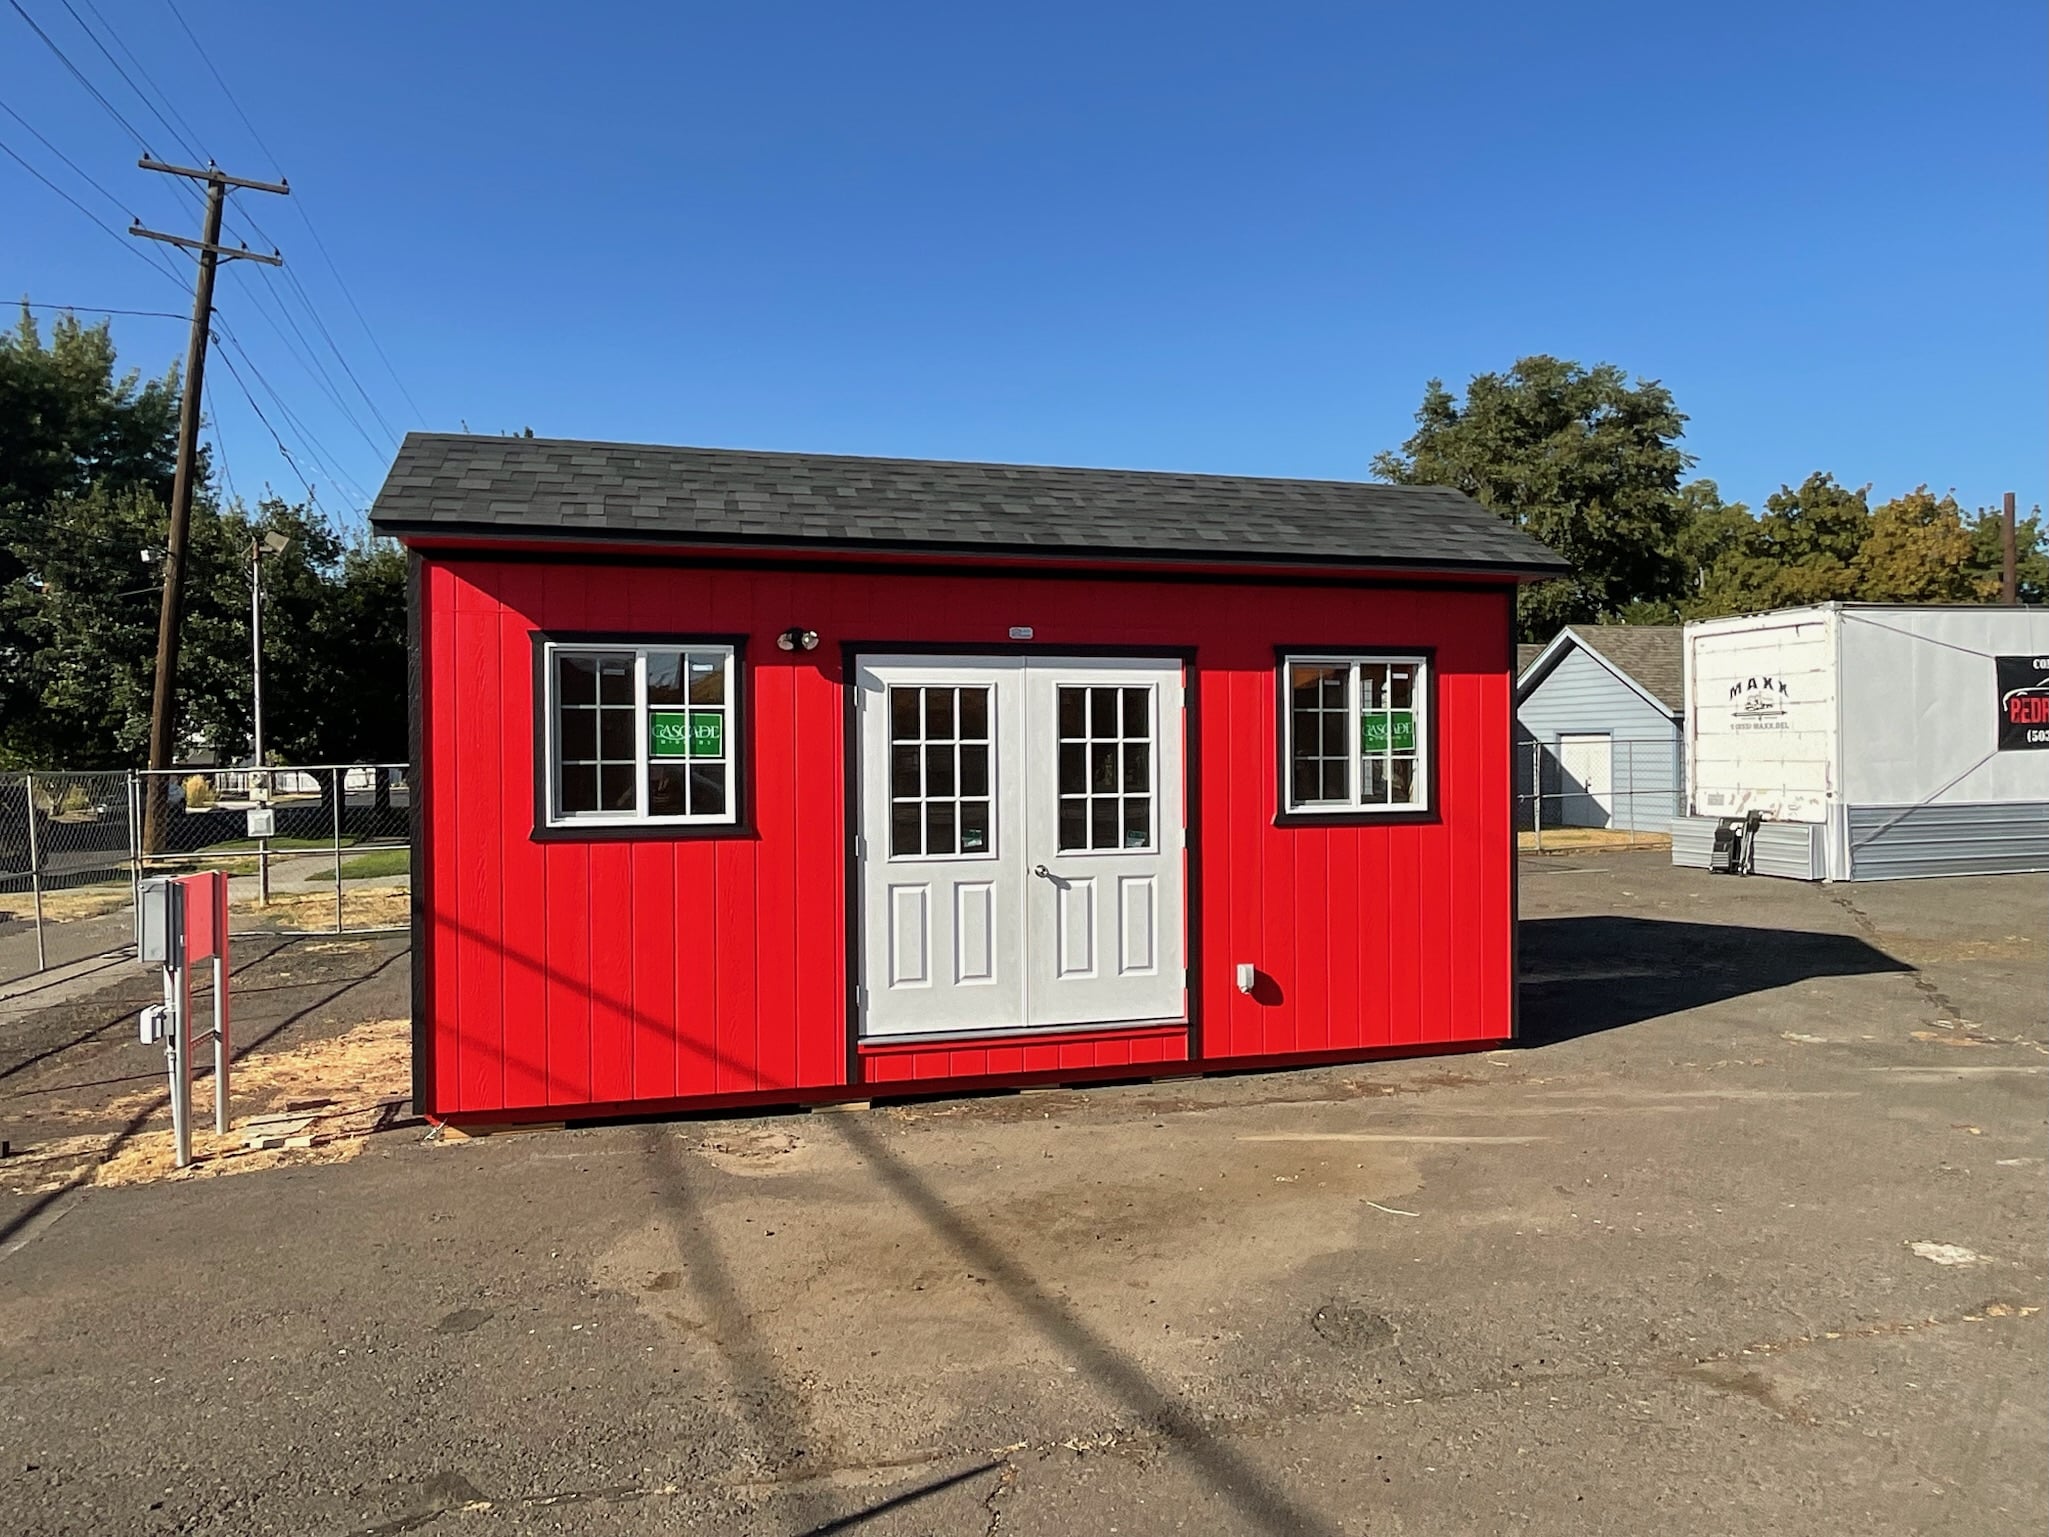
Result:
[{"x": 1583, "y": 975}]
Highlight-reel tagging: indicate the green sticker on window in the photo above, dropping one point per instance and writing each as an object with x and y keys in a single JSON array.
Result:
[
  {"x": 1375, "y": 731},
  {"x": 707, "y": 734},
  {"x": 668, "y": 734}
]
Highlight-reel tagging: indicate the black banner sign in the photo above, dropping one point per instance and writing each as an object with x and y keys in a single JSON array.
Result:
[{"x": 2023, "y": 703}]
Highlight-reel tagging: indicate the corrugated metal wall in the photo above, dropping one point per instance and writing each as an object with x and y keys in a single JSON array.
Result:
[
  {"x": 1792, "y": 850},
  {"x": 1898, "y": 842}
]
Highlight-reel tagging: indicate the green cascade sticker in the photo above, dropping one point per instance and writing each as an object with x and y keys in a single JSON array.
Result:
[
  {"x": 686, "y": 734},
  {"x": 1376, "y": 729},
  {"x": 668, "y": 734}
]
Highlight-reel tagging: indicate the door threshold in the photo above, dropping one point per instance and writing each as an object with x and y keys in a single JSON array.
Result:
[{"x": 1013, "y": 1035}]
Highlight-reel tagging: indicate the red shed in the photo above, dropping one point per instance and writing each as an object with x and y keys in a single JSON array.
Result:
[{"x": 756, "y": 777}]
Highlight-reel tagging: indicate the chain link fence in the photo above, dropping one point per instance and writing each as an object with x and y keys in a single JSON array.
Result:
[
  {"x": 1595, "y": 789},
  {"x": 67, "y": 844},
  {"x": 319, "y": 849}
]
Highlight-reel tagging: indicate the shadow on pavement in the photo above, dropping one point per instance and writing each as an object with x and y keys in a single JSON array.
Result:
[{"x": 1583, "y": 975}]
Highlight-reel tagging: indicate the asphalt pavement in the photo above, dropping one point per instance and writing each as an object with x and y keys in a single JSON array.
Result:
[{"x": 1750, "y": 1237}]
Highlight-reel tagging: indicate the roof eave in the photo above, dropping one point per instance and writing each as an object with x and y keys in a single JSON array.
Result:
[{"x": 446, "y": 533}]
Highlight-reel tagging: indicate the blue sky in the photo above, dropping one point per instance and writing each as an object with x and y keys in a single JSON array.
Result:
[{"x": 1230, "y": 239}]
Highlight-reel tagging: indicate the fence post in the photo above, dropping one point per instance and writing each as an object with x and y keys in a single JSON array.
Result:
[
  {"x": 35, "y": 868},
  {"x": 1537, "y": 792},
  {"x": 263, "y": 843},
  {"x": 341, "y": 788},
  {"x": 134, "y": 840}
]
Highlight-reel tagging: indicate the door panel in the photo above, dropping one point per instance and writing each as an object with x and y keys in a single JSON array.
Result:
[
  {"x": 942, "y": 846},
  {"x": 1585, "y": 771},
  {"x": 1104, "y": 825}
]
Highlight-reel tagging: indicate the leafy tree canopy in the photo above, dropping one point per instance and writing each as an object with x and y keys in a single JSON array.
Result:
[
  {"x": 1590, "y": 464},
  {"x": 1582, "y": 458},
  {"x": 86, "y": 461}
]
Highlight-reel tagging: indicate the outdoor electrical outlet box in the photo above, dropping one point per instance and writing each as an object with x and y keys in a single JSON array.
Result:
[
  {"x": 262, "y": 822},
  {"x": 1248, "y": 976},
  {"x": 159, "y": 921},
  {"x": 156, "y": 1024}
]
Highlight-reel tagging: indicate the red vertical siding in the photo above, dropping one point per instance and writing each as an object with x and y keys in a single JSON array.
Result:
[{"x": 566, "y": 974}]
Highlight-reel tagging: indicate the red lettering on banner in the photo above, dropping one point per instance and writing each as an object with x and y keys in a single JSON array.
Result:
[{"x": 2028, "y": 710}]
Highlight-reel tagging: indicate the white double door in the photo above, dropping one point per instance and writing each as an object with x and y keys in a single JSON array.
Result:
[{"x": 1020, "y": 843}]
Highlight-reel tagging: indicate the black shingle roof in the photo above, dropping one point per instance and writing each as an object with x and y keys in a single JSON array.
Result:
[{"x": 447, "y": 485}]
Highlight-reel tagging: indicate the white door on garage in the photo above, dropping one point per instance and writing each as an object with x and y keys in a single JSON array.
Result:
[
  {"x": 1020, "y": 842},
  {"x": 1586, "y": 769}
]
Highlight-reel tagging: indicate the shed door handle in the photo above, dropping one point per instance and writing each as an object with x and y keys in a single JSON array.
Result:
[{"x": 1041, "y": 870}]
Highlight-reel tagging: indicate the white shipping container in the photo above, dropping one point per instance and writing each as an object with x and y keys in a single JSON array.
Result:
[{"x": 1877, "y": 725}]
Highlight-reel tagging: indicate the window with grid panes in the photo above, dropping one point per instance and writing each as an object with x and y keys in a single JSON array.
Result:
[
  {"x": 1106, "y": 767},
  {"x": 641, "y": 734},
  {"x": 939, "y": 750},
  {"x": 1355, "y": 733}
]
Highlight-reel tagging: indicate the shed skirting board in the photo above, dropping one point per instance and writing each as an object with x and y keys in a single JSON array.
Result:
[
  {"x": 1903, "y": 842},
  {"x": 1178, "y": 1066}
]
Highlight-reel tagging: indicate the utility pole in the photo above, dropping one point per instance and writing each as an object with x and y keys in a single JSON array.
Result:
[
  {"x": 163, "y": 734},
  {"x": 2009, "y": 557}
]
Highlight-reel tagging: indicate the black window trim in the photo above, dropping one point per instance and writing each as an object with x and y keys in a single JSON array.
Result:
[
  {"x": 738, "y": 735},
  {"x": 1432, "y": 809}
]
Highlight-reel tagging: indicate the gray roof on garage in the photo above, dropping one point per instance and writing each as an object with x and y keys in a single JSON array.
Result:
[
  {"x": 1651, "y": 656},
  {"x": 459, "y": 486}
]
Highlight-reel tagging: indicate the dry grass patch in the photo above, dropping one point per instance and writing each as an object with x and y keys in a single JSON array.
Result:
[
  {"x": 315, "y": 1103},
  {"x": 60, "y": 906},
  {"x": 362, "y": 907}
]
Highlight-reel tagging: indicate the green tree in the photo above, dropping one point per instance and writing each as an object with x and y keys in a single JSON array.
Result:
[
  {"x": 1986, "y": 560},
  {"x": 1581, "y": 458},
  {"x": 1916, "y": 550},
  {"x": 86, "y": 459}
]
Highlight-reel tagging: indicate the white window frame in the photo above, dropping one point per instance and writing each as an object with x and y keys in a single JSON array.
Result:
[
  {"x": 1351, "y": 806},
  {"x": 639, "y": 816}
]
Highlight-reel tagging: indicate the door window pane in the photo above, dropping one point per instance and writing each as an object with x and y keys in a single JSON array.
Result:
[
  {"x": 1105, "y": 767},
  {"x": 939, "y": 771}
]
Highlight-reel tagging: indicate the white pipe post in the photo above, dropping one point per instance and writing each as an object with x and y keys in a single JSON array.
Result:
[
  {"x": 35, "y": 868},
  {"x": 177, "y": 1049},
  {"x": 1537, "y": 792},
  {"x": 256, "y": 711},
  {"x": 341, "y": 788}
]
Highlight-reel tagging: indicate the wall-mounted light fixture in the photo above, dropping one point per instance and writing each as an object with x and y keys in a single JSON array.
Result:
[{"x": 795, "y": 639}]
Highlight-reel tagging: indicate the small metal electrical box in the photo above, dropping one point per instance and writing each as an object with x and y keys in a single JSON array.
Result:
[
  {"x": 159, "y": 921},
  {"x": 262, "y": 822}
]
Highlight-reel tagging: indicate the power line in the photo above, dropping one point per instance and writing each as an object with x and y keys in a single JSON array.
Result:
[
  {"x": 81, "y": 172},
  {"x": 101, "y": 309},
  {"x": 305, "y": 217},
  {"x": 283, "y": 452},
  {"x": 207, "y": 60},
  {"x": 148, "y": 79},
  {"x": 316, "y": 370},
  {"x": 154, "y": 264},
  {"x": 79, "y": 75},
  {"x": 94, "y": 38},
  {"x": 323, "y": 458}
]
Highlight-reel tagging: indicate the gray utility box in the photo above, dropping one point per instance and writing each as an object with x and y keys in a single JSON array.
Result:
[
  {"x": 1876, "y": 741},
  {"x": 160, "y": 922}
]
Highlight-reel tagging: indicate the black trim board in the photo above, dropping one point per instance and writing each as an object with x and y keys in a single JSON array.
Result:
[
  {"x": 422, "y": 881},
  {"x": 958, "y": 565},
  {"x": 650, "y": 832},
  {"x": 851, "y": 653},
  {"x": 1430, "y": 814},
  {"x": 1515, "y": 851},
  {"x": 415, "y": 531}
]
